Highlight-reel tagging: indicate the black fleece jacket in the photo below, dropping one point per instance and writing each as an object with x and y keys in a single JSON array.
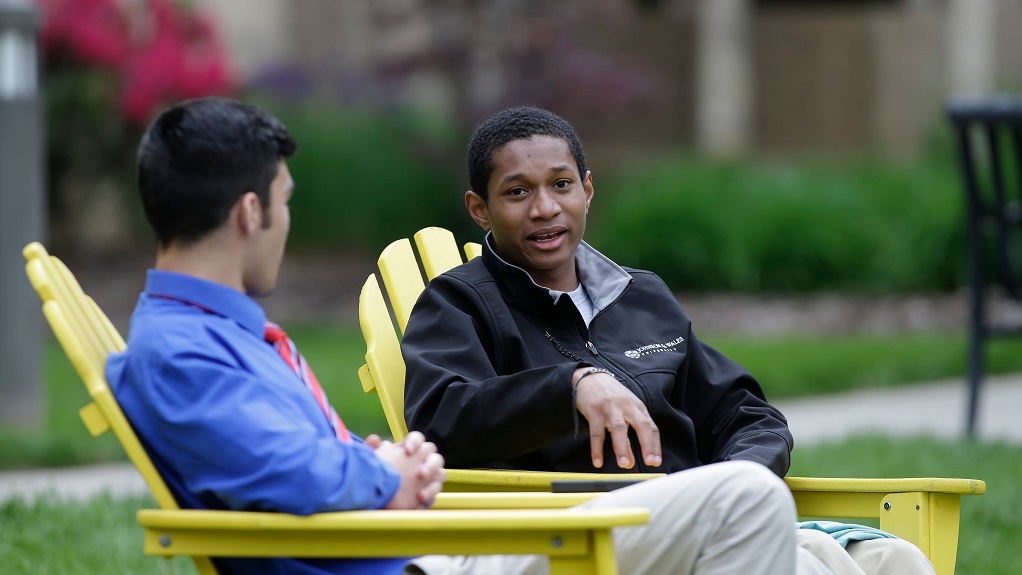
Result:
[{"x": 490, "y": 356}]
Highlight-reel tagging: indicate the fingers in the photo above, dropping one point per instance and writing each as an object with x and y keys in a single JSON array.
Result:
[
  {"x": 619, "y": 440},
  {"x": 649, "y": 442},
  {"x": 413, "y": 441},
  {"x": 427, "y": 495},
  {"x": 608, "y": 406},
  {"x": 433, "y": 475},
  {"x": 597, "y": 433},
  {"x": 432, "y": 467},
  {"x": 373, "y": 440}
]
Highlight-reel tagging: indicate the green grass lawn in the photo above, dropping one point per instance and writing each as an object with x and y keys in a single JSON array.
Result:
[
  {"x": 991, "y": 527},
  {"x": 797, "y": 365},
  {"x": 787, "y": 366},
  {"x": 101, "y": 536}
]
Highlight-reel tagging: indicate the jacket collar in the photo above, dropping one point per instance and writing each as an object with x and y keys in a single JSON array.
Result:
[{"x": 603, "y": 279}]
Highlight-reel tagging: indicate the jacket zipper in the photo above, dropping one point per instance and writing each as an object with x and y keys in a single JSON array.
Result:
[{"x": 560, "y": 348}]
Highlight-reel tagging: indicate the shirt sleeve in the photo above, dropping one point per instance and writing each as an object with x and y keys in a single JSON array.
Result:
[
  {"x": 245, "y": 441},
  {"x": 732, "y": 417},
  {"x": 454, "y": 394}
]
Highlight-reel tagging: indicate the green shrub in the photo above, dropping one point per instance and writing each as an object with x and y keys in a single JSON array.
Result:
[
  {"x": 364, "y": 177},
  {"x": 770, "y": 228}
]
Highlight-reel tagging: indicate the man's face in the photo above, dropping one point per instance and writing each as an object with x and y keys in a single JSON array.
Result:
[
  {"x": 536, "y": 208},
  {"x": 268, "y": 243}
]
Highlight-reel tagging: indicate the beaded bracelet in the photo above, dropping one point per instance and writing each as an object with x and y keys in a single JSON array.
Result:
[
  {"x": 574, "y": 390},
  {"x": 591, "y": 371}
]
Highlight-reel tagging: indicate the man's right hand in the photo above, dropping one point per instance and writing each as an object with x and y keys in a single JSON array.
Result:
[
  {"x": 420, "y": 466},
  {"x": 607, "y": 405}
]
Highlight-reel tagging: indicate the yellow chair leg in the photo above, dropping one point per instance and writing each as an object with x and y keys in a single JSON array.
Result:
[
  {"x": 602, "y": 560},
  {"x": 929, "y": 520},
  {"x": 603, "y": 553},
  {"x": 945, "y": 513}
]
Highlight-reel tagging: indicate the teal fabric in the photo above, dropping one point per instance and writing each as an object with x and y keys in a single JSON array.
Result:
[{"x": 845, "y": 532}]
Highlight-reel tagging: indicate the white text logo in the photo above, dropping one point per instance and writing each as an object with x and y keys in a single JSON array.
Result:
[{"x": 654, "y": 348}]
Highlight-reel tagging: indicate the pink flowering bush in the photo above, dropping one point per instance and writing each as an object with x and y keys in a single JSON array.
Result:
[
  {"x": 157, "y": 51},
  {"x": 109, "y": 67}
]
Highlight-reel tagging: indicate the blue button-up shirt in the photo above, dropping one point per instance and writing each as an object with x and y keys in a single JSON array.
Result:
[{"x": 229, "y": 425}]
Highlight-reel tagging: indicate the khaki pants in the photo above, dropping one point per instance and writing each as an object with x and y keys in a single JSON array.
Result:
[
  {"x": 872, "y": 557},
  {"x": 733, "y": 518}
]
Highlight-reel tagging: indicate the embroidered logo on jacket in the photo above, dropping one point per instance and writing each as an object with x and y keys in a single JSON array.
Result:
[{"x": 654, "y": 348}]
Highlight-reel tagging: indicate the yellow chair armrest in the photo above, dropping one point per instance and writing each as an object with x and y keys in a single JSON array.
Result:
[
  {"x": 900, "y": 485},
  {"x": 501, "y": 480},
  {"x": 380, "y": 533},
  {"x": 511, "y": 500},
  {"x": 924, "y": 511}
]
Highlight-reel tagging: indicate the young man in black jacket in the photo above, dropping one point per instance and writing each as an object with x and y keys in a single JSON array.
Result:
[{"x": 528, "y": 356}]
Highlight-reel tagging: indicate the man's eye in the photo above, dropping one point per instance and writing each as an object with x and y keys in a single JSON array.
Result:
[
  {"x": 561, "y": 184},
  {"x": 516, "y": 192}
]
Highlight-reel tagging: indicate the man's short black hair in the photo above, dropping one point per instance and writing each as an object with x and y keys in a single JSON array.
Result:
[
  {"x": 512, "y": 124},
  {"x": 199, "y": 157}
]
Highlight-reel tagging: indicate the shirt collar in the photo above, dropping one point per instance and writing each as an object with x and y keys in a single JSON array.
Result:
[{"x": 213, "y": 297}]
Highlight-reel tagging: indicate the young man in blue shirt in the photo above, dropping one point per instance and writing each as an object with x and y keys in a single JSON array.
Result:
[{"x": 233, "y": 418}]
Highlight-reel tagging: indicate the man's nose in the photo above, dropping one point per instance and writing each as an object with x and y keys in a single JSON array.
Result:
[{"x": 545, "y": 205}]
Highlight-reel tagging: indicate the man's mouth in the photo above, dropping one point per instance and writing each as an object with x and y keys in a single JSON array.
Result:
[{"x": 547, "y": 235}]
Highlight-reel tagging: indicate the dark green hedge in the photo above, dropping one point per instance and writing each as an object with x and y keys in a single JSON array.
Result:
[
  {"x": 367, "y": 176},
  {"x": 364, "y": 177},
  {"x": 867, "y": 226}
]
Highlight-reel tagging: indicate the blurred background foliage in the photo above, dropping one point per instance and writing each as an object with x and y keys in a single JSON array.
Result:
[
  {"x": 868, "y": 225},
  {"x": 373, "y": 164},
  {"x": 364, "y": 175},
  {"x": 862, "y": 226},
  {"x": 109, "y": 66}
]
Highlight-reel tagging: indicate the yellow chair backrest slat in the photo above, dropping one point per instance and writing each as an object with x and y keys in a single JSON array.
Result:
[
  {"x": 437, "y": 250},
  {"x": 88, "y": 337},
  {"x": 384, "y": 364},
  {"x": 400, "y": 273},
  {"x": 384, "y": 371},
  {"x": 473, "y": 250}
]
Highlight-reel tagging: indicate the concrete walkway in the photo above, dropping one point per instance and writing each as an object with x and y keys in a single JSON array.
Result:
[
  {"x": 935, "y": 409},
  {"x": 72, "y": 483}
]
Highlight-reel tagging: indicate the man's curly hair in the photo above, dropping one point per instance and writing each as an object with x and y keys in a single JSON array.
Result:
[{"x": 508, "y": 125}]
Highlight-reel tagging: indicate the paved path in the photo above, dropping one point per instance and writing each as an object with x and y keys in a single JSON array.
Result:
[
  {"x": 935, "y": 409},
  {"x": 72, "y": 483}
]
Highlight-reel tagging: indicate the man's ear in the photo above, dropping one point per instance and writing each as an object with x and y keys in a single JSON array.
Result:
[
  {"x": 476, "y": 206},
  {"x": 587, "y": 186},
  {"x": 249, "y": 213}
]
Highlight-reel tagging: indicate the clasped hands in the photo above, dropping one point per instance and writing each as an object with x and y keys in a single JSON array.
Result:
[
  {"x": 420, "y": 466},
  {"x": 608, "y": 405}
]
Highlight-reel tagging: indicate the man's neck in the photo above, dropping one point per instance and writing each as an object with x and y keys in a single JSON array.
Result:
[{"x": 208, "y": 259}]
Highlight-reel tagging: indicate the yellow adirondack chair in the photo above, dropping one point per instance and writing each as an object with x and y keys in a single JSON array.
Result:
[
  {"x": 577, "y": 541},
  {"x": 924, "y": 511}
]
